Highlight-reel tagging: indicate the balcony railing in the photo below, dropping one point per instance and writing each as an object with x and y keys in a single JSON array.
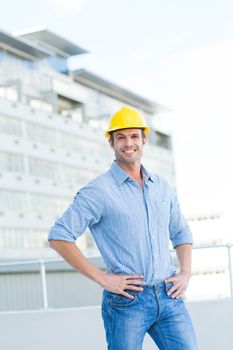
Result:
[{"x": 48, "y": 283}]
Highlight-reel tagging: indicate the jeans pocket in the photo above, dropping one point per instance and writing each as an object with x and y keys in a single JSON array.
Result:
[
  {"x": 167, "y": 286},
  {"x": 120, "y": 300}
]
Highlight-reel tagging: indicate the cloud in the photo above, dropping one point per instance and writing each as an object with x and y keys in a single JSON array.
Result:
[{"x": 68, "y": 8}]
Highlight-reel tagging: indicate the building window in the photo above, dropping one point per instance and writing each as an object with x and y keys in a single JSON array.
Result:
[
  {"x": 50, "y": 205},
  {"x": 162, "y": 140},
  {"x": 43, "y": 168},
  {"x": 69, "y": 108},
  {"x": 11, "y": 162},
  {"x": 38, "y": 133},
  {"x": 40, "y": 104},
  {"x": 10, "y": 126},
  {"x": 72, "y": 142},
  {"x": 77, "y": 176},
  {"x": 12, "y": 200},
  {"x": 8, "y": 93},
  {"x": 20, "y": 238}
]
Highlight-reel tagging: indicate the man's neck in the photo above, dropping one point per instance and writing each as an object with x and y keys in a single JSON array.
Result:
[{"x": 133, "y": 170}]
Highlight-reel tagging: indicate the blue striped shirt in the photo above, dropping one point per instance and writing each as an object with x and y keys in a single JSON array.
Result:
[{"x": 131, "y": 227}]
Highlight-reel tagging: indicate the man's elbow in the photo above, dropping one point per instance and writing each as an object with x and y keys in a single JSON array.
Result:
[
  {"x": 57, "y": 243},
  {"x": 53, "y": 244}
]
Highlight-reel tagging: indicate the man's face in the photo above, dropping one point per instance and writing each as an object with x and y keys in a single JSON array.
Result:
[{"x": 128, "y": 145}]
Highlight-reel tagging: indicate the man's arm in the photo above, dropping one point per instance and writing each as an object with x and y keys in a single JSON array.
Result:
[
  {"x": 181, "y": 280},
  {"x": 182, "y": 241},
  {"x": 113, "y": 283}
]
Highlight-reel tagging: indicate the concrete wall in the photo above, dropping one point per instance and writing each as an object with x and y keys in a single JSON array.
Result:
[
  {"x": 213, "y": 322},
  {"x": 21, "y": 287},
  {"x": 82, "y": 328}
]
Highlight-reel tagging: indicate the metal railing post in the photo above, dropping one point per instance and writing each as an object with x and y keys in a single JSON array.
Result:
[
  {"x": 230, "y": 268},
  {"x": 43, "y": 284}
]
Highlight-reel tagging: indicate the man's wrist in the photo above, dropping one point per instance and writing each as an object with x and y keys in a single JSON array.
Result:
[
  {"x": 186, "y": 272},
  {"x": 99, "y": 277}
]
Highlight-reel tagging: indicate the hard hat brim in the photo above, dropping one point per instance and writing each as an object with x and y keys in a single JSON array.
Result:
[{"x": 145, "y": 128}]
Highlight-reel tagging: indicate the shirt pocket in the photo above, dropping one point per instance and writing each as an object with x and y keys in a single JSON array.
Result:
[{"x": 163, "y": 211}]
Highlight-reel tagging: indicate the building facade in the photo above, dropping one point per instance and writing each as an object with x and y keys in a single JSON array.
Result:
[
  {"x": 212, "y": 262},
  {"x": 52, "y": 139}
]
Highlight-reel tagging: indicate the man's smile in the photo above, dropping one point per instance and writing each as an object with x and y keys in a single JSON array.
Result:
[{"x": 129, "y": 151}]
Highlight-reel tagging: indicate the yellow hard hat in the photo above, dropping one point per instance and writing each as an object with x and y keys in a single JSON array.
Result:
[{"x": 127, "y": 118}]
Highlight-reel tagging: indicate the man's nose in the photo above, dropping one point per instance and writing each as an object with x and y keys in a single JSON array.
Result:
[{"x": 128, "y": 142}]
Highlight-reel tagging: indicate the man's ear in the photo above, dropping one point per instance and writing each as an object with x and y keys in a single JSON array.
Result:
[
  {"x": 145, "y": 140},
  {"x": 110, "y": 142}
]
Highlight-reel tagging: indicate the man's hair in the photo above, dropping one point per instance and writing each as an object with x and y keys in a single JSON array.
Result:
[{"x": 111, "y": 139}]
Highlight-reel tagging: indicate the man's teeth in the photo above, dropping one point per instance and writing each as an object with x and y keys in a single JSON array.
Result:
[{"x": 130, "y": 151}]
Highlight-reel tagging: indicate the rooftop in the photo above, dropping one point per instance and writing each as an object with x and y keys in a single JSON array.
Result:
[
  {"x": 94, "y": 81},
  {"x": 51, "y": 41},
  {"x": 22, "y": 47}
]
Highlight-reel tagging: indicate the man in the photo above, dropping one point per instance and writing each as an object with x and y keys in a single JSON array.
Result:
[{"x": 132, "y": 215}]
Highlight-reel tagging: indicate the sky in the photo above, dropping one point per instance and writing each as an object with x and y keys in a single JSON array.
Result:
[{"x": 178, "y": 53}]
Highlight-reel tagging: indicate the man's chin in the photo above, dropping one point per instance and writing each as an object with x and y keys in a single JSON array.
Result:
[{"x": 130, "y": 160}]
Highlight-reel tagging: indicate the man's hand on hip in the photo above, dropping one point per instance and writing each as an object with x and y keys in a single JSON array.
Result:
[
  {"x": 118, "y": 283},
  {"x": 180, "y": 283}
]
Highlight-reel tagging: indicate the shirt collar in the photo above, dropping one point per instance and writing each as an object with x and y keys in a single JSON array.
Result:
[
  {"x": 146, "y": 175},
  {"x": 121, "y": 176}
]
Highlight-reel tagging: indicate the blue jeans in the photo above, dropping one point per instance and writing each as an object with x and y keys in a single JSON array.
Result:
[{"x": 167, "y": 321}]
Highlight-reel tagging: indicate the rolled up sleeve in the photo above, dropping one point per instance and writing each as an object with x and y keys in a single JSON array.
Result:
[
  {"x": 179, "y": 230},
  {"x": 85, "y": 211}
]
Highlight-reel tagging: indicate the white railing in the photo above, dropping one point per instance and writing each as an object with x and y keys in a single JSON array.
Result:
[
  {"x": 228, "y": 247},
  {"x": 43, "y": 263}
]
